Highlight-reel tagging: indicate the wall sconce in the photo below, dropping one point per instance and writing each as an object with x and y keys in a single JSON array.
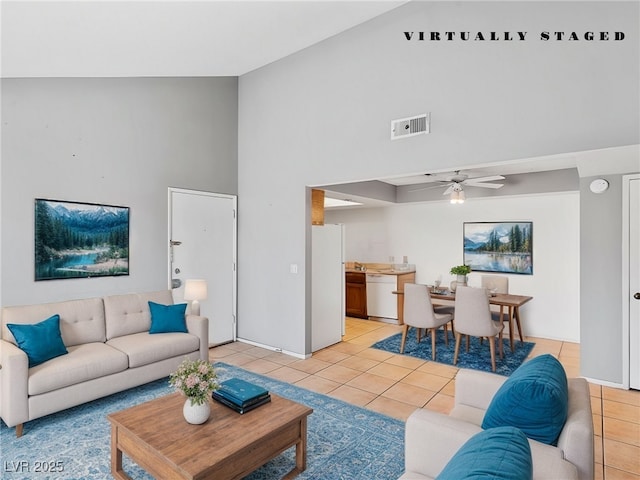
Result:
[{"x": 195, "y": 290}]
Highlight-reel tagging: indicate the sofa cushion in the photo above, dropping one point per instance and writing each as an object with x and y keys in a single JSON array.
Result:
[
  {"x": 496, "y": 453},
  {"x": 167, "y": 318},
  {"x": 84, "y": 362},
  {"x": 127, "y": 314},
  {"x": 40, "y": 341},
  {"x": 535, "y": 398},
  {"x": 81, "y": 321},
  {"x": 145, "y": 348}
]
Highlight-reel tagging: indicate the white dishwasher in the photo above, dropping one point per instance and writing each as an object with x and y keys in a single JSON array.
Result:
[{"x": 381, "y": 301}]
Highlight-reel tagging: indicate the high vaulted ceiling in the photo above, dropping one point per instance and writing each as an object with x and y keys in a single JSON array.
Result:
[
  {"x": 166, "y": 38},
  {"x": 149, "y": 38}
]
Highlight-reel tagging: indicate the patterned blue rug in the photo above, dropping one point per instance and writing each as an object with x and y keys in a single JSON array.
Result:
[
  {"x": 478, "y": 357},
  {"x": 343, "y": 441}
]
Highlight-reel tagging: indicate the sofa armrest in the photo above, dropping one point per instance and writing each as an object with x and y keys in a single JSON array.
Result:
[
  {"x": 199, "y": 326},
  {"x": 576, "y": 438},
  {"x": 14, "y": 388},
  {"x": 431, "y": 439},
  {"x": 476, "y": 389}
]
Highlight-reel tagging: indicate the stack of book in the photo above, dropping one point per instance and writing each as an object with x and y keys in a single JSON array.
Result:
[{"x": 241, "y": 395}]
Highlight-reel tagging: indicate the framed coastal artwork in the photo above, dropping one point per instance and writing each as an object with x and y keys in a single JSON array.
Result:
[
  {"x": 80, "y": 240},
  {"x": 504, "y": 247}
]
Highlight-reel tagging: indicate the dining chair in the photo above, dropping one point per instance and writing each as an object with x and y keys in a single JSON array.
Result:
[
  {"x": 419, "y": 313},
  {"x": 473, "y": 317},
  {"x": 498, "y": 284}
]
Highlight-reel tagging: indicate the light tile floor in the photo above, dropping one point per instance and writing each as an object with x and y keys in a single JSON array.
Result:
[{"x": 396, "y": 385}]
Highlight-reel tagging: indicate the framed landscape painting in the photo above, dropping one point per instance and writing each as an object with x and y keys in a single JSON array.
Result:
[
  {"x": 505, "y": 247},
  {"x": 79, "y": 240}
]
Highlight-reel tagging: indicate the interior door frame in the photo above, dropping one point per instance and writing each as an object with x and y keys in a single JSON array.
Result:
[
  {"x": 626, "y": 286},
  {"x": 234, "y": 201}
]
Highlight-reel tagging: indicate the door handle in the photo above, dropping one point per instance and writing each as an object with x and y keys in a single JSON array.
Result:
[
  {"x": 637, "y": 296},
  {"x": 174, "y": 243}
]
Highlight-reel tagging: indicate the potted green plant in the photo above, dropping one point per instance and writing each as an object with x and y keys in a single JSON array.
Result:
[{"x": 461, "y": 272}]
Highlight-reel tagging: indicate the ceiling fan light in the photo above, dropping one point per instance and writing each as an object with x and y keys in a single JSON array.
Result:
[{"x": 457, "y": 194}]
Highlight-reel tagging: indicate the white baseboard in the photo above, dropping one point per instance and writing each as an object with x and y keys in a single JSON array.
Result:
[
  {"x": 605, "y": 383},
  {"x": 275, "y": 349}
]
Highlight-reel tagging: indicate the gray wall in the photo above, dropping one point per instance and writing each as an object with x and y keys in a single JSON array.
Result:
[
  {"x": 322, "y": 116},
  {"x": 112, "y": 141},
  {"x": 601, "y": 280}
]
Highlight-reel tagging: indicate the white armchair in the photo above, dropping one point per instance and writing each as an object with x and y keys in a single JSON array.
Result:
[{"x": 432, "y": 439}]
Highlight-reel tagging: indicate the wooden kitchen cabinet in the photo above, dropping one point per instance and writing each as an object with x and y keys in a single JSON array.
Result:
[
  {"x": 356, "y": 295},
  {"x": 402, "y": 279},
  {"x": 317, "y": 207}
]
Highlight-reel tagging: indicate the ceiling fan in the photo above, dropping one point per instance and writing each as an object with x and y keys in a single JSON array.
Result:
[{"x": 457, "y": 181}]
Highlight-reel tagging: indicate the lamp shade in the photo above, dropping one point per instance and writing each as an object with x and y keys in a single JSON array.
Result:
[{"x": 195, "y": 290}]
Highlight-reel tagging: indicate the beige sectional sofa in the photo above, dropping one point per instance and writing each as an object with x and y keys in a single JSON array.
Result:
[{"x": 109, "y": 349}]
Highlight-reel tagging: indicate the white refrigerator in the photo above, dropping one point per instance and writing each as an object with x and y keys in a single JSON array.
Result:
[{"x": 327, "y": 285}]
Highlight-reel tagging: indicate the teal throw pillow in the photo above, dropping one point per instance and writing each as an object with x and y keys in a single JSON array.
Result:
[
  {"x": 167, "y": 318},
  {"x": 40, "y": 341},
  {"x": 535, "y": 398},
  {"x": 498, "y": 453}
]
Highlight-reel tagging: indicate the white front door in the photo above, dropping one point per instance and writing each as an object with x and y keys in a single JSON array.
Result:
[
  {"x": 202, "y": 245},
  {"x": 631, "y": 285}
]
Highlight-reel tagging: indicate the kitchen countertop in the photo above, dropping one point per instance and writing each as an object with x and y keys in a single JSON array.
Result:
[{"x": 378, "y": 271}]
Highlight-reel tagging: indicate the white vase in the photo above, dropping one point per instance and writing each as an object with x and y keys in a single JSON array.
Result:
[
  {"x": 196, "y": 414},
  {"x": 461, "y": 280}
]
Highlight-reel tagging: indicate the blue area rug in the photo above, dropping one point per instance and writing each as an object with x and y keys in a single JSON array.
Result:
[
  {"x": 478, "y": 357},
  {"x": 343, "y": 441}
]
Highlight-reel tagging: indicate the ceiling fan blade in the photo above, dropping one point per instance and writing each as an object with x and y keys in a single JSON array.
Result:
[
  {"x": 484, "y": 185},
  {"x": 490, "y": 178},
  {"x": 419, "y": 189}
]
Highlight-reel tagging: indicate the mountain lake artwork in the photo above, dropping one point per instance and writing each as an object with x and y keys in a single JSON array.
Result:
[
  {"x": 80, "y": 240},
  {"x": 504, "y": 247}
]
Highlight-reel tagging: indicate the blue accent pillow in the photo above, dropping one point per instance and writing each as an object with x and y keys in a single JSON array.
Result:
[
  {"x": 535, "y": 398},
  {"x": 167, "y": 318},
  {"x": 40, "y": 341},
  {"x": 497, "y": 453}
]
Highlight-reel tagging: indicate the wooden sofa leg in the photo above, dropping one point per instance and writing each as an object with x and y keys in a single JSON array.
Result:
[{"x": 19, "y": 429}]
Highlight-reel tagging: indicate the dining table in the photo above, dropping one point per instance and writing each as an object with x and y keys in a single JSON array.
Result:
[{"x": 504, "y": 300}]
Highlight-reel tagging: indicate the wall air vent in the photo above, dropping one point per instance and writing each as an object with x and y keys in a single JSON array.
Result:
[{"x": 408, "y": 127}]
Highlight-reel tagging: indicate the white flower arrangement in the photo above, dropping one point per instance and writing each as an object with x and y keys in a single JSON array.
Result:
[{"x": 195, "y": 379}]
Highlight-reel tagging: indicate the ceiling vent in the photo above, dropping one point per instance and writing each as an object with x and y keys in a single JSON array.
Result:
[{"x": 408, "y": 127}]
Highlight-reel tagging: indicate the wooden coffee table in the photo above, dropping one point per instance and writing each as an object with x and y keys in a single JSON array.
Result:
[{"x": 156, "y": 436}]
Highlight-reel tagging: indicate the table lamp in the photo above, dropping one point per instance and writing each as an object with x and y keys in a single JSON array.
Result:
[{"x": 195, "y": 290}]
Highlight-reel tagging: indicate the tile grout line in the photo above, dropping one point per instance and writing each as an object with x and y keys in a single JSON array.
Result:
[{"x": 602, "y": 431}]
